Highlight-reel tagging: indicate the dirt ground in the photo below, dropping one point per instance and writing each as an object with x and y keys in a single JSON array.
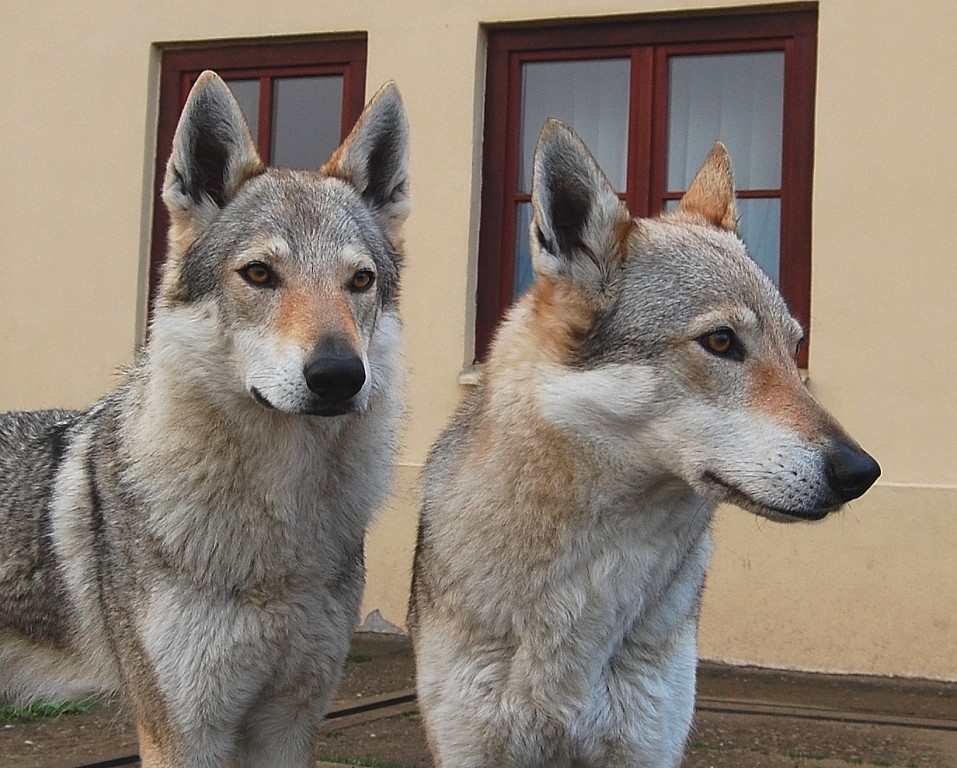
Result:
[{"x": 747, "y": 718}]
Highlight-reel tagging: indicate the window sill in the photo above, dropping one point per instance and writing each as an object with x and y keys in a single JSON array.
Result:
[{"x": 471, "y": 375}]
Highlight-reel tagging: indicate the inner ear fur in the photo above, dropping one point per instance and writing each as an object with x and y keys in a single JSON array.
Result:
[
  {"x": 711, "y": 194},
  {"x": 578, "y": 224},
  {"x": 213, "y": 156},
  {"x": 374, "y": 158}
]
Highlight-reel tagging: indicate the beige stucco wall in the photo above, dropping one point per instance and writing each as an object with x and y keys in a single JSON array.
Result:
[{"x": 872, "y": 590}]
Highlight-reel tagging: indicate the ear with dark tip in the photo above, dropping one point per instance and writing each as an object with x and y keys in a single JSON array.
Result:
[
  {"x": 711, "y": 194},
  {"x": 213, "y": 156},
  {"x": 374, "y": 158},
  {"x": 578, "y": 221}
]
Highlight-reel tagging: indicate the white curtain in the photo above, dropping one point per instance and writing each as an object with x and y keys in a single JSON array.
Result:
[
  {"x": 739, "y": 99},
  {"x": 591, "y": 96}
]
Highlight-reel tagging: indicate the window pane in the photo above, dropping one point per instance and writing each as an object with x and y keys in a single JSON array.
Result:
[
  {"x": 247, "y": 94},
  {"x": 759, "y": 225},
  {"x": 737, "y": 98},
  {"x": 523, "y": 273},
  {"x": 589, "y": 96},
  {"x": 306, "y": 120}
]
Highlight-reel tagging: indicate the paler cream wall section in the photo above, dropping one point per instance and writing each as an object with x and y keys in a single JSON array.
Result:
[{"x": 872, "y": 590}]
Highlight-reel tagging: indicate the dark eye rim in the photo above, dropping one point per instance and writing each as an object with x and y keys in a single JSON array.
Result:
[
  {"x": 363, "y": 273},
  {"x": 270, "y": 281},
  {"x": 734, "y": 350},
  {"x": 801, "y": 344}
]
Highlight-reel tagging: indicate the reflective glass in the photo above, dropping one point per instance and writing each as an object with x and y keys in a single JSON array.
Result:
[
  {"x": 759, "y": 224},
  {"x": 737, "y": 98},
  {"x": 523, "y": 272},
  {"x": 246, "y": 93},
  {"x": 590, "y": 96},
  {"x": 306, "y": 120}
]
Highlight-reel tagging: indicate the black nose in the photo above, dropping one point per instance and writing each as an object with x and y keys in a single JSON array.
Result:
[
  {"x": 851, "y": 471},
  {"x": 335, "y": 378}
]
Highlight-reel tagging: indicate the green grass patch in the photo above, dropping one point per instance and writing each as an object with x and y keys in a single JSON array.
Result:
[
  {"x": 358, "y": 657},
  {"x": 29, "y": 713}
]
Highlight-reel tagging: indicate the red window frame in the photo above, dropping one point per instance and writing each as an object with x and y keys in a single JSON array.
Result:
[
  {"x": 345, "y": 56},
  {"x": 648, "y": 43}
]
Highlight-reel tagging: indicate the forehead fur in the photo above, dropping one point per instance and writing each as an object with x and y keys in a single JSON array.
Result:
[
  {"x": 675, "y": 272},
  {"x": 316, "y": 216}
]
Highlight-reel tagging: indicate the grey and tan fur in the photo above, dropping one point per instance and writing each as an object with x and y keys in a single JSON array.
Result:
[
  {"x": 565, "y": 532},
  {"x": 196, "y": 537}
]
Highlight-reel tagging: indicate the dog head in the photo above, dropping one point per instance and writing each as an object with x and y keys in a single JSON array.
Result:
[
  {"x": 661, "y": 342},
  {"x": 297, "y": 271}
]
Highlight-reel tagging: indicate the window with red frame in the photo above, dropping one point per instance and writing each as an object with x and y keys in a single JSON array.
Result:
[
  {"x": 300, "y": 100},
  {"x": 649, "y": 97}
]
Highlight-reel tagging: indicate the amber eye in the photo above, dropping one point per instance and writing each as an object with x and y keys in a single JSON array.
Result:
[
  {"x": 723, "y": 342},
  {"x": 362, "y": 280},
  {"x": 258, "y": 275}
]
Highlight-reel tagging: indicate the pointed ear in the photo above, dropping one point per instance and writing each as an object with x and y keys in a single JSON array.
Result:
[
  {"x": 711, "y": 194},
  {"x": 578, "y": 224},
  {"x": 374, "y": 158},
  {"x": 213, "y": 156}
]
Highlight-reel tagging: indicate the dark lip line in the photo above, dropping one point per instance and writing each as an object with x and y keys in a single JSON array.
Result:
[
  {"x": 815, "y": 515},
  {"x": 324, "y": 413},
  {"x": 258, "y": 397}
]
